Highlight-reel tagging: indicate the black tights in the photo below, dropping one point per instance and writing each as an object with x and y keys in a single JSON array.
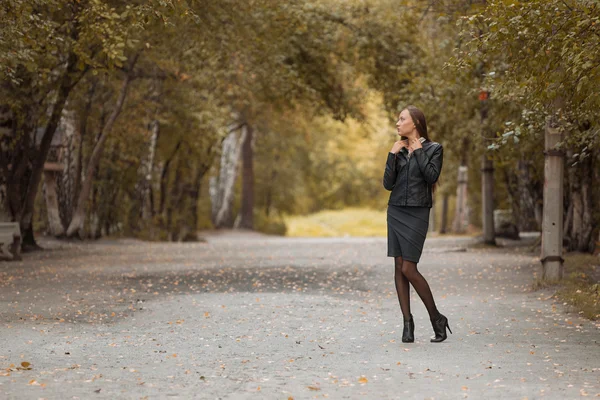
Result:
[{"x": 406, "y": 272}]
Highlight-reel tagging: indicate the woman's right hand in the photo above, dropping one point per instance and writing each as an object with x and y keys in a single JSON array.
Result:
[{"x": 398, "y": 146}]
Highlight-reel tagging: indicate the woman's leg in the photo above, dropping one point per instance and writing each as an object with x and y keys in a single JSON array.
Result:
[
  {"x": 409, "y": 270},
  {"x": 402, "y": 288}
]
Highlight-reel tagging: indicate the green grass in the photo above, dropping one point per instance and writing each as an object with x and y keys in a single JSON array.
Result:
[
  {"x": 346, "y": 222},
  {"x": 579, "y": 287}
]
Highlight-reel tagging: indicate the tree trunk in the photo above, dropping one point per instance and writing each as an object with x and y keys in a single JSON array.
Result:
[
  {"x": 70, "y": 185},
  {"x": 55, "y": 225},
  {"x": 511, "y": 181},
  {"x": 246, "y": 215},
  {"x": 580, "y": 225},
  {"x": 222, "y": 187},
  {"x": 269, "y": 194},
  {"x": 461, "y": 212},
  {"x": 175, "y": 207},
  {"x": 4, "y": 210},
  {"x": 164, "y": 179},
  {"x": 65, "y": 88},
  {"x": 552, "y": 230},
  {"x": 146, "y": 168},
  {"x": 487, "y": 181},
  {"x": 529, "y": 190},
  {"x": 444, "y": 218},
  {"x": 76, "y": 224},
  {"x": 6, "y": 122}
]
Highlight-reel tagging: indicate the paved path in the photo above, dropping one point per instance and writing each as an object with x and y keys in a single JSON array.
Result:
[{"x": 245, "y": 317}]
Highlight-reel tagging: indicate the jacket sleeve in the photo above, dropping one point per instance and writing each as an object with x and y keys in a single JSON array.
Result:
[
  {"x": 430, "y": 166},
  {"x": 390, "y": 173}
]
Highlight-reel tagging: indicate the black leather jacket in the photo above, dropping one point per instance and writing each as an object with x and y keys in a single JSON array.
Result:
[{"x": 410, "y": 178}]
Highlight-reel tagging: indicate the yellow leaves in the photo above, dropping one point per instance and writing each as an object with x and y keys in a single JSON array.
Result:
[
  {"x": 206, "y": 314},
  {"x": 314, "y": 388},
  {"x": 363, "y": 380}
]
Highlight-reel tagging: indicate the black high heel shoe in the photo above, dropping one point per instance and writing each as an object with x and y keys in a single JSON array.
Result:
[
  {"x": 439, "y": 327},
  {"x": 408, "y": 333}
]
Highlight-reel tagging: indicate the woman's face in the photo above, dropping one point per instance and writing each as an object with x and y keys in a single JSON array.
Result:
[{"x": 405, "y": 124}]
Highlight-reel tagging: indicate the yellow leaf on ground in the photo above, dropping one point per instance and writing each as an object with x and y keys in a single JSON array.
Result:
[{"x": 362, "y": 379}]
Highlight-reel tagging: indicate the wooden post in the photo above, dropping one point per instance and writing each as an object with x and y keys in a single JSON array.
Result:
[{"x": 552, "y": 220}]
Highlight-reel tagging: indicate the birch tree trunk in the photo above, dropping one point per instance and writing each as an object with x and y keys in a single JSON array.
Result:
[
  {"x": 146, "y": 168},
  {"x": 67, "y": 182},
  {"x": 221, "y": 188},
  {"x": 77, "y": 221},
  {"x": 70, "y": 184},
  {"x": 58, "y": 181},
  {"x": 246, "y": 220}
]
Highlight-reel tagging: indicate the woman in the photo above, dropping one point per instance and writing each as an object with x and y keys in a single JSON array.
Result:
[{"x": 411, "y": 171}]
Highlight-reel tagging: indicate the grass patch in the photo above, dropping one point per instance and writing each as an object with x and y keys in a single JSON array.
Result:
[
  {"x": 346, "y": 222},
  {"x": 580, "y": 287}
]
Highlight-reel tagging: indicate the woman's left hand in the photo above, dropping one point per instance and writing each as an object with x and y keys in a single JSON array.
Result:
[{"x": 414, "y": 144}]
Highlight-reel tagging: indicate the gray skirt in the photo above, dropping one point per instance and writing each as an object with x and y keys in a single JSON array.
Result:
[{"x": 407, "y": 228}]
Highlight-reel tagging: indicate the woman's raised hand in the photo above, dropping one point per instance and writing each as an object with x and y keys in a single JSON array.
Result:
[{"x": 398, "y": 146}]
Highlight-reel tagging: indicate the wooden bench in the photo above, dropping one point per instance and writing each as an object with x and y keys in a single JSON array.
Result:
[{"x": 10, "y": 241}]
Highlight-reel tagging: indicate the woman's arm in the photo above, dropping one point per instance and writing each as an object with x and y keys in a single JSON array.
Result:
[
  {"x": 430, "y": 166},
  {"x": 390, "y": 173}
]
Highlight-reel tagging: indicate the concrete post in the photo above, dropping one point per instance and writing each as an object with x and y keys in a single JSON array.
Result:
[{"x": 552, "y": 219}]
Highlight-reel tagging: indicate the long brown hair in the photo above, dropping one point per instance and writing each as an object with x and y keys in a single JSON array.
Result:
[{"x": 418, "y": 118}]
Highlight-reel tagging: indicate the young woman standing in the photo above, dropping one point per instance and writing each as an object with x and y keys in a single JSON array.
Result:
[{"x": 411, "y": 172}]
